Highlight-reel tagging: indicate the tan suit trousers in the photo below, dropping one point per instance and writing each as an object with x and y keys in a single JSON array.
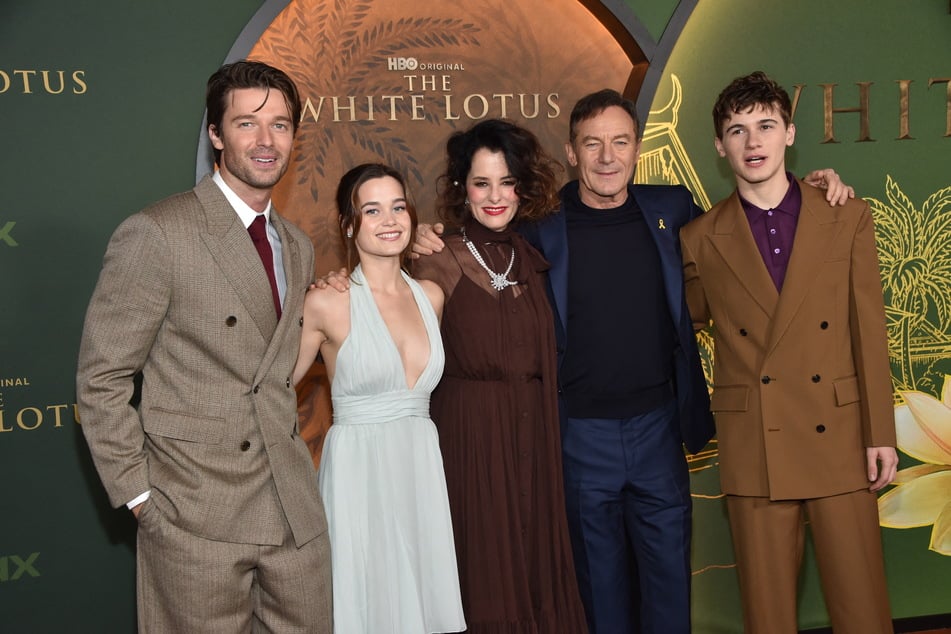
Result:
[
  {"x": 186, "y": 583},
  {"x": 768, "y": 539}
]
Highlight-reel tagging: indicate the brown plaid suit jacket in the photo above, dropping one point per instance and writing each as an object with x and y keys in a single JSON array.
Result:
[{"x": 183, "y": 298}]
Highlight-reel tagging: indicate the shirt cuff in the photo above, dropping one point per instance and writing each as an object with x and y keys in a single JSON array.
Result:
[{"x": 138, "y": 500}]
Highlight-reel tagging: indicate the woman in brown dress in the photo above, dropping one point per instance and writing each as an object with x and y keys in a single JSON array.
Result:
[{"x": 496, "y": 407}]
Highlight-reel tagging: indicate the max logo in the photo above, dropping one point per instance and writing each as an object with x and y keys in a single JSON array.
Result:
[
  {"x": 5, "y": 234},
  {"x": 18, "y": 567}
]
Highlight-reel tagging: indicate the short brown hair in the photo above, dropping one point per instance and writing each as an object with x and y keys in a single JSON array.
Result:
[
  {"x": 745, "y": 93},
  {"x": 248, "y": 74},
  {"x": 594, "y": 104}
]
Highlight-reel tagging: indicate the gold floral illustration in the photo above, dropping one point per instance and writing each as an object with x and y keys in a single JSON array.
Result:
[
  {"x": 922, "y": 496},
  {"x": 914, "y": 247}
]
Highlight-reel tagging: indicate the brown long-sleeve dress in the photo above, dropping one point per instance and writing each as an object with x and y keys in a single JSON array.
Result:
[{"x": 497, "y": 415}]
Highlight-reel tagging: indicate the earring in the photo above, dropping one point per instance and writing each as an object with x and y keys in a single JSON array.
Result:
[
  {"x": 349, "y": 232},
  {"x": 455, "y": 183},
  {"x": 467, "y": 202}
]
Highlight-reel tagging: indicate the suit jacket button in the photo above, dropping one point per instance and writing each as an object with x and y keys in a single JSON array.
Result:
[
  {"x": 820, "y": 428},
  {"x": 245, "y": 445},
  {"x": 231, "y": 321},
  {"x": 300, "y": 322},
  {"x": 287, "y": 382},
  {"x": 257, "y": 388},
  {"x": 766, "y": 379},
  {"x": 743, "y": 332},
  {"x": 824, "y": 325},
  {"x": 816, "y": 378}
]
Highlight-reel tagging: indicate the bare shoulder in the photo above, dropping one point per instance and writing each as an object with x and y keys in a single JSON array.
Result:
[
  {"x": 324, "y": 306},
  {"x": 434, "y": 293}
]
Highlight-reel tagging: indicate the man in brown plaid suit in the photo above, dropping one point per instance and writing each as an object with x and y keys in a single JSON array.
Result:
[{"x": 202, "y": 294}]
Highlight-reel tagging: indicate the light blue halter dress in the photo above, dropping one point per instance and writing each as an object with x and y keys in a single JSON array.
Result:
[{"x": 382, "y": 481}]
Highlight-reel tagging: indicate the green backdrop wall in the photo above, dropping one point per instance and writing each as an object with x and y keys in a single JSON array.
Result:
[{"x": 101, "y": 107}]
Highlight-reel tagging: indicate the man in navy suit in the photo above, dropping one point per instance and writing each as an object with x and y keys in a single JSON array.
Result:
[{"x": 631, "y": 385}]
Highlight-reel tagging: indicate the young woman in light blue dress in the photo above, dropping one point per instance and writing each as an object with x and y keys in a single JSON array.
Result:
[{"x": 381, "y": 472}]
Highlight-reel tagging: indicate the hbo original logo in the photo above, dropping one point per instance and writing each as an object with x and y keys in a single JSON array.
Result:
[{"x": 402, "y": 63}]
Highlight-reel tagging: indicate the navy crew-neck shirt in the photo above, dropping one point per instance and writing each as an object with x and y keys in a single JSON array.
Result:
[{"x": 621, "y": 337}]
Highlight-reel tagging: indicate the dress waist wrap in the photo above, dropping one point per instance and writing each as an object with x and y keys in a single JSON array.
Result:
[{"x": 379, "y": 408}]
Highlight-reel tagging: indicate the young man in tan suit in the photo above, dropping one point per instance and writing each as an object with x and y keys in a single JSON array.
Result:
[
  {"x": 802, "y": 391},
  {"x": 202, "y": 294}
]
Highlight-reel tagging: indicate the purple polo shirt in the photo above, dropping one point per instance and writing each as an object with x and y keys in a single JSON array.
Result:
[{"x": 774, "y": 230}]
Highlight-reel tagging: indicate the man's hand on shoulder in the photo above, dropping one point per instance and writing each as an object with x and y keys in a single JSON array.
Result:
[
  {"x": 338, "y": 280},
  {"x": 428, "y": 240},
  {"x": 837, "y": 192}
]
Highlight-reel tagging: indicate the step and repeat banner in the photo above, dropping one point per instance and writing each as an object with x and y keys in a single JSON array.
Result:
[{"x": 102, "y": 114}]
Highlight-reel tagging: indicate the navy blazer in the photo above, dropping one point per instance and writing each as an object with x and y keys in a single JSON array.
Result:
[{"x": 666, "y": 209}]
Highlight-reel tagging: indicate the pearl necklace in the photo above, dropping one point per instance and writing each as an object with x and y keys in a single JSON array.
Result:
[{"x": 499, "y": 281}]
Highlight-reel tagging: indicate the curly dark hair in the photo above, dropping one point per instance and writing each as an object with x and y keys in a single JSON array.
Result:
[
  {"x": 745, "y": 93},
  {"x": 532, "y": 167},
  {"x": 348, "y": 208}
]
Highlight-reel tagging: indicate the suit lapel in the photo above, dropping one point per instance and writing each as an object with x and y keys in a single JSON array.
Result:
[
  {"x": 229, "y": 244},
  {"x": 816, "y": 230},
  {"x": 666, "y": 241},
  {"x": 733, "y": 240}
]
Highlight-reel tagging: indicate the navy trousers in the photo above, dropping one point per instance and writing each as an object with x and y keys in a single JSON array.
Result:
[{"x": 627, "y": 493}]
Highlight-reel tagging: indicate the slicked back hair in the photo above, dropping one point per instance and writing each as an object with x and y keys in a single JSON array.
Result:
[
  {"x": 594, "y": 104},
  {"x": 248, "y": 74}
]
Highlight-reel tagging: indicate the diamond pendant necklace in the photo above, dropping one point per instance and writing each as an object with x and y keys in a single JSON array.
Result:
[{"x": 499, "y": 281}]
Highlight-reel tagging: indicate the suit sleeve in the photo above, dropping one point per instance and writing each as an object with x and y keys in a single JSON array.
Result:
[
  {"x": 122, "y": 321},
  {"x": 693, "y": 287},
  {"x": 870, "y": 338}
]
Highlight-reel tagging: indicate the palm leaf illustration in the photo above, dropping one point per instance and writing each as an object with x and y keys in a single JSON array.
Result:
[
  {"x": 915, "y": 260},
  {"x": 336, "y": 51}
]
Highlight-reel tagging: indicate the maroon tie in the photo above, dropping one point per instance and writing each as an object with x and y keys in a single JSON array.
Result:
[{"x": 258, "y": 231}]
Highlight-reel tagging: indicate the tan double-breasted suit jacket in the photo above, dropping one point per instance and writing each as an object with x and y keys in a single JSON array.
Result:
[
  {"x": 183, "y": 299},
  {"x": 802, "y": 383}
]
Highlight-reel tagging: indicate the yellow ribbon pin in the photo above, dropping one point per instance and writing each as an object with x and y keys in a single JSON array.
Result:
[{"x": 660, "y": 223}]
